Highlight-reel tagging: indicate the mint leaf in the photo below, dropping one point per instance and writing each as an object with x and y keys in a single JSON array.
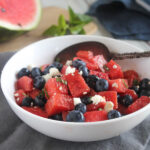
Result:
[
  {"x": 52, "y": 31},
  {"x": 62, "y": 23},
  {"x": 73, "y": 26},
  {"x": 76, "y": 19},
  {"x": 61, "y": 80},
  {"x": 84, "y": 18},
  {"x": 76, "y": 29},
  {"x": 106, "y": 68}
]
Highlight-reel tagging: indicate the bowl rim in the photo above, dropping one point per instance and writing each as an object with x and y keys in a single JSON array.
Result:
[{"x": 11, "y": 102}]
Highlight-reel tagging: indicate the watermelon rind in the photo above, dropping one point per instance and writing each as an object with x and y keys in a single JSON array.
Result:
[{"x": 9, "y": 31}]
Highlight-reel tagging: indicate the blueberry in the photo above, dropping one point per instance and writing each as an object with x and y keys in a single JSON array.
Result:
[
  {"x": 101, "y": 85},
  {"x": 113, "y": 114},
  {"x": 77, "y": 63},
  {"x": 36, "y": 72},
  {"x": 145, "y": 84},
  {"x": 23, "y": 72},
  {"x": 27, "y": 101},
  {"x": 86, "y": 100},
  {"x": 57, "y": 117},
  {"x": 75, "y": 116},
  {"x": 58, "y": 65},
  {"x": 126, "y": 100},
  {"x": 91, "y": 81},
  {"x": 84, "y": 70},
  {"x": 39, "y": 102},
  {"x": 118, "y": 98},
  {"x": 46, "y": 70},
  {"x": 135, "y": 88},
  {"x": 144, "y": 93},
  {"x": 81, "y": 107},
  {"x": 39, "y": 82}
]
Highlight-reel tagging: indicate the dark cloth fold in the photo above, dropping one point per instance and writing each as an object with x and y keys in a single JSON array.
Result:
[
  {"x": 15, "y": 135},
  {"x": 124, "y": 19}
]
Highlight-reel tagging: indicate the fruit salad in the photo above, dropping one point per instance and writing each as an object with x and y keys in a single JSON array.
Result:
[{"x": 85, "y": 89}]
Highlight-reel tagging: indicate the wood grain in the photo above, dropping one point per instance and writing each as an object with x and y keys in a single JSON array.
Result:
[{"x": 49, "y": 16}]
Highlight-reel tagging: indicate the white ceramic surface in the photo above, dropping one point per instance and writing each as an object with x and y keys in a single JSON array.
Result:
[{"x": 43, "y": 52}]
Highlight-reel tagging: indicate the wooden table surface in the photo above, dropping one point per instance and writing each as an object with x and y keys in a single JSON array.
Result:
[{"x": 81, "y": 6}]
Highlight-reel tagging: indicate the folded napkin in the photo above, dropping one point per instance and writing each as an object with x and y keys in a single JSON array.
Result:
[
  {"x": 124, "y": 19},
  {"x": 15, "y": 135}
]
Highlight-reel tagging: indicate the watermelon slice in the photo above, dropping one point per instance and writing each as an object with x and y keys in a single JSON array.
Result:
[{"x": 18, "y": 16}]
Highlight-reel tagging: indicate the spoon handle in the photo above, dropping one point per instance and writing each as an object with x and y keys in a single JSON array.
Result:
[{"x": 117, "y": 56}]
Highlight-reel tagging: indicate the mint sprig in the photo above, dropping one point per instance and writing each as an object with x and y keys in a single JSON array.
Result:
[{"x": 73, "y": 26}]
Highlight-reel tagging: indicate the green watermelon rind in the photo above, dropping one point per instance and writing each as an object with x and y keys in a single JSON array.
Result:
[{"x": 8, "y": 31}]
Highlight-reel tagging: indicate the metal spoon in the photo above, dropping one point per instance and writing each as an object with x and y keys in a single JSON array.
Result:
[{"x": 96, "y": 48}]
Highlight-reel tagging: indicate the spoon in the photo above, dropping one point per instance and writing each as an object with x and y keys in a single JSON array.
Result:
[{"x": 97, "y": 48}]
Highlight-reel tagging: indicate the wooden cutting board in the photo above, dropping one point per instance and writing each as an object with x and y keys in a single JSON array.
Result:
[{"x": 49, "y": 17}]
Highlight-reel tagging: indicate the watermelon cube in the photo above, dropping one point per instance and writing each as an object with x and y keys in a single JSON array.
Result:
[
  {"x": 113, "y": 69},
  {"x": 100, "y": 61},
  {"x": 94, "y": 116},
  {"x": 77, "y": 85},
  {"x": 88, "y": 55},
  {"x": 138, "y": 104},
  {"x": 110, "y": 96},
  {"x": 36, "y": 110},
  {"x": 19, "y": 96},
  {"x": 118, "y": 85},
  {"x": 56, "y": 85},
  {"x": 101, "y": 75},
  {"x": 59, "y": 103},
  {"x": 25, "y": 83}
]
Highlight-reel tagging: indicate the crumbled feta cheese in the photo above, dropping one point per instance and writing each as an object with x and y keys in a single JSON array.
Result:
[
  {"x": 81, "y": 72},
  {"x": 69, "y": 63},
  {"x": 16, "y": 94},
  {"x": 70, "y": 70},
  {"x": 76, "y": 101},
  {"x": 115, "y": 66},
  {"x": 52, "y": 72},
  {"x": 31, "y": 104},
  {"x": 97, "y": 98},
  {"x": 84, "y": 93},
  {"x": 108, "y": 106},
  {"x": 115, "y": 85},
  {"x": 60, "y": 88},
  {"x": 17, "y": 99},
  {"x": 30, "y": 67},
  {"x": 47, "y": 77}
]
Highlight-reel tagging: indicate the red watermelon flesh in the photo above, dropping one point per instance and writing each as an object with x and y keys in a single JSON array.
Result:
[
  {"x": 110, "y": 96},
  {"x": 59, "y": 103},
  {"x": 36, "y": 110},
  {"x": 77, "y": 85},
  {"x": 138, "y": 104},
  {"x": 118, "y": 85},
  {"x": 54, "y": 86},
  {"x": 19, "y": 14},
  {"x": 94, "y": 116}
]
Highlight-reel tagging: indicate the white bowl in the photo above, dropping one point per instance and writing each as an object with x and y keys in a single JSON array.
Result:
[{"x": 43, "y": 52}]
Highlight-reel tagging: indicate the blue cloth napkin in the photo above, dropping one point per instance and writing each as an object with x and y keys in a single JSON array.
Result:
[{"x": 124, "y": 19}]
